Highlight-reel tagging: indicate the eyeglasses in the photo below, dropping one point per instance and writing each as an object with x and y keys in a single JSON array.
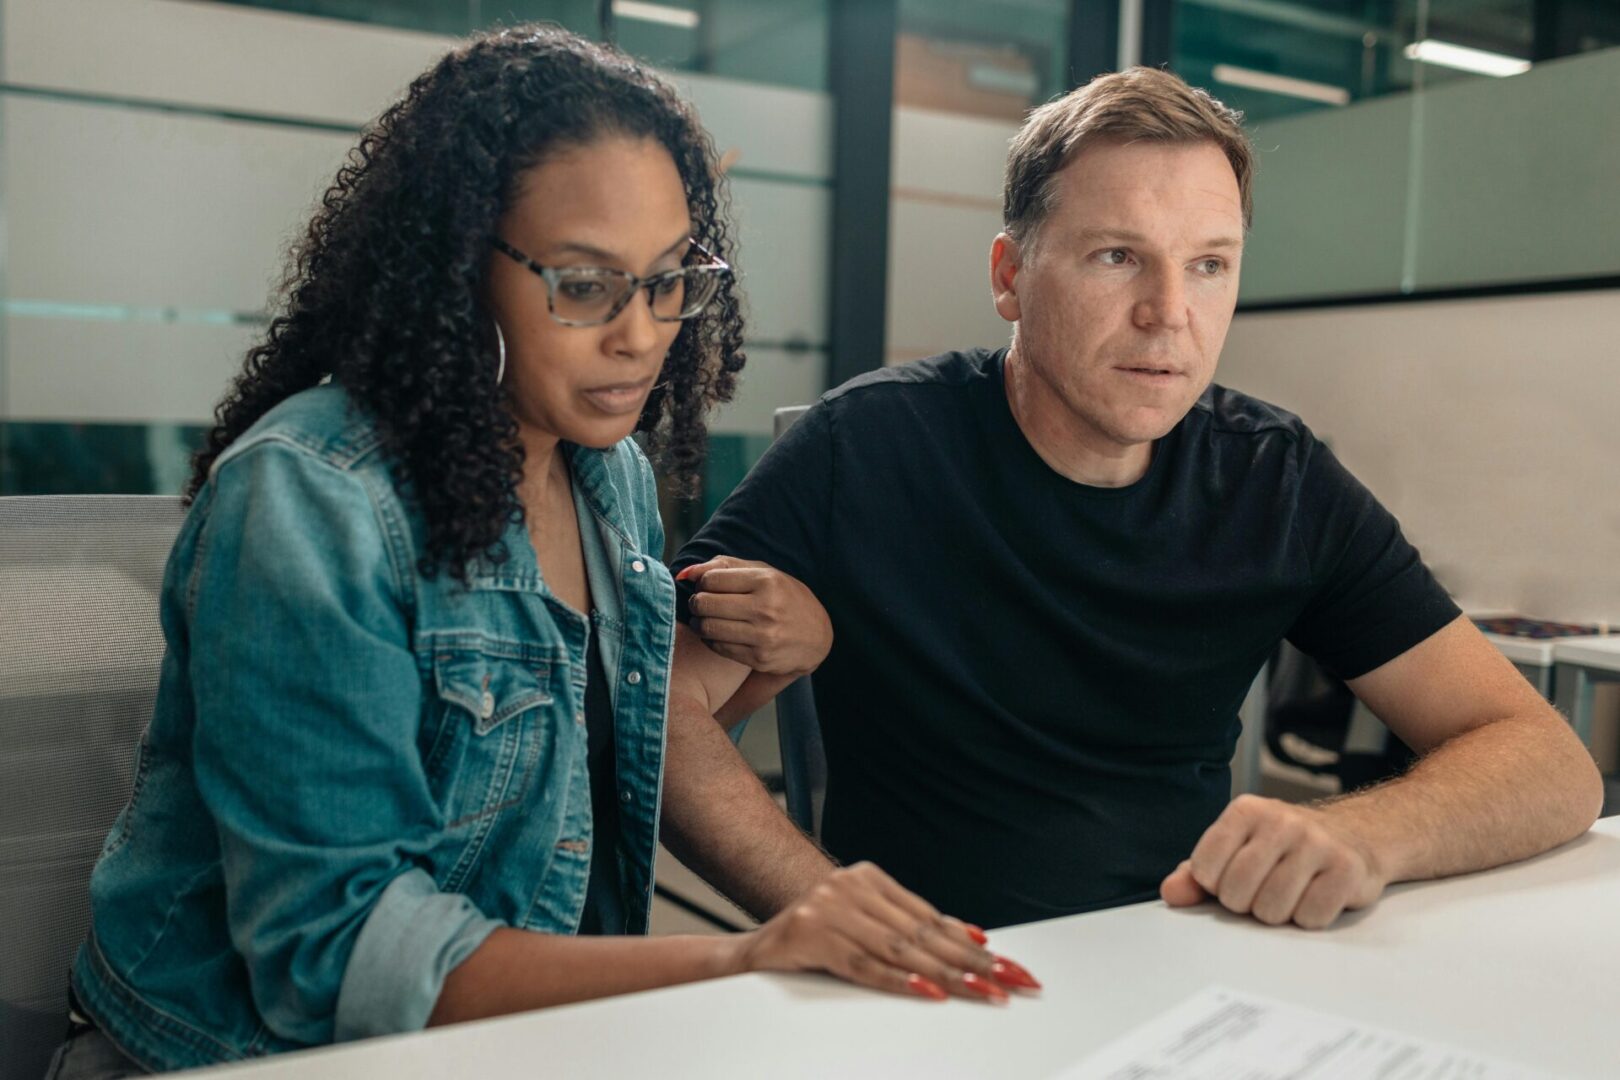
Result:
[{"x": 593, "y": 295}]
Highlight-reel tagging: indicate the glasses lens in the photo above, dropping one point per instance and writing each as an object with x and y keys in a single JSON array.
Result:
[
  {"x": 668, "y": 295},
  {"x": 699, "y": 284},
  {"x": 588, "y": 295}
]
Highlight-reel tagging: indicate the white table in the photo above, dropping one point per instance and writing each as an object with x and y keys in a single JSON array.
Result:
[
  {"x": 1582, "y": 663},
  {"x": 1522, "y": 963}
]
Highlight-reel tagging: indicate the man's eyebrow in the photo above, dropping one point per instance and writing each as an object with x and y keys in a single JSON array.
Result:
[
  {"x": 591, "y": 251},
  {"x": 1090, "y": 236}
]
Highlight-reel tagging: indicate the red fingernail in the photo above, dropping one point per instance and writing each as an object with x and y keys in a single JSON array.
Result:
[
  {"x": 924, "y": 987},
  {"x": 686, "y": 573},
  {"x": 976, "y": 934},
  {"x": 1012, "y": 974},
  {"x": 981, "y": 985}
]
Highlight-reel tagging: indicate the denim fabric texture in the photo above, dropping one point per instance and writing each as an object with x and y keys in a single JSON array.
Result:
[{"x": 355, "y": 773}]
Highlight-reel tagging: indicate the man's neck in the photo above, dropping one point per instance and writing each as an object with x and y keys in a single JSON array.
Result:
[{"x": 1063, "y": 440}]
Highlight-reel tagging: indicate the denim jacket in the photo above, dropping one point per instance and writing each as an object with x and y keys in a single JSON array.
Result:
[{"x": 354, "y": 773}]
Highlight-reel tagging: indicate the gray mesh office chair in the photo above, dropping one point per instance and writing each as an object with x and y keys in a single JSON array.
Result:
[
  {"x": 798, "y": 729},
  {"x": 80, "y": 649}
]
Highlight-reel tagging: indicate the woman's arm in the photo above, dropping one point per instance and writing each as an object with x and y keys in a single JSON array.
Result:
[
  {"x": 858, "y": 924},
  {"x": 761, "y": 617}
]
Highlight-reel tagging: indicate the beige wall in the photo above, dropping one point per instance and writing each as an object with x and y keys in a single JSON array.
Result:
[{"x": 1490, "y": 427}]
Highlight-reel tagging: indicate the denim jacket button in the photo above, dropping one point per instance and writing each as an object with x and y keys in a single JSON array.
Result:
[
  {"x": 486, "y": 705},
  {"x": 638, "y": 566},
  {"x": 633, "y": 678},
  {"x": 624, "y": 796}
]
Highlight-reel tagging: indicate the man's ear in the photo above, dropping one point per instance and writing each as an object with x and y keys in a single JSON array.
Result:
[{"x": 1005, "y": 263}]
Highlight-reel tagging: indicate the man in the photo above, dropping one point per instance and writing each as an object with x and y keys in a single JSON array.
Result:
[{"x": 1053, "y": 571}]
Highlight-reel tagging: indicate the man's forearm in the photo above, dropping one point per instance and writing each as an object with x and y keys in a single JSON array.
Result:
[
  {"x": 719, "y": 820},
  {"x": 1496, "y": 794}
]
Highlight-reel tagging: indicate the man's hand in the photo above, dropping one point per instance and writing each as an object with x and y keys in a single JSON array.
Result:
[
  {"x": 1280, "y": 863},
  {"x": 757, "y": 615}
]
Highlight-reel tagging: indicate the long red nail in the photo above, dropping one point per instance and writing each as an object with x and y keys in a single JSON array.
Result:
[
  {"x": 981, "y": 985},
  {"x": 925, "y": 987},
  {"x": 1012, "y": 974},
  {"x": 978, "y": 935},
  {"x": 686, "y": 573}
]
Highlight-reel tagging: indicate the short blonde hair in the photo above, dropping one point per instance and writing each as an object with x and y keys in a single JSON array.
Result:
[{"x": 1139, "y": 103}]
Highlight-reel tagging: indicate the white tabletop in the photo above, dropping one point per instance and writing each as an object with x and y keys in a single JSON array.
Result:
[
  {"x": 1596, "y": 652},
  {"x": 1522, "y": 963}
]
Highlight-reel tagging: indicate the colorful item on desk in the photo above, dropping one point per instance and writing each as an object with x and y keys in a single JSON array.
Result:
[{"x": 1538, "y": 629}]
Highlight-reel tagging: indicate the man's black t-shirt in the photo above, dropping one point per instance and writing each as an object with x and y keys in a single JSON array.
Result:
[{"x": 1031, "y": 702}]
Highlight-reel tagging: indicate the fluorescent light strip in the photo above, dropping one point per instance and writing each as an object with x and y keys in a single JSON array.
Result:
[
  {"x": 658, "y": 13},
  {"x": 1281, "y": 84},
  {"x": 1462, "y": 58}
]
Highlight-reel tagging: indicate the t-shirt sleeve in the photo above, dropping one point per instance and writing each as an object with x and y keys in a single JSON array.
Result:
[
  {"x": 1372, "y": 598},
  {"x": 779, "y": 513}
]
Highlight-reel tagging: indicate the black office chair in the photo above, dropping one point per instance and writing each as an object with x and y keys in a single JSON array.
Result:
[
  {"x": 798, "y": 728},
  {"x": 80, "y": 649}
]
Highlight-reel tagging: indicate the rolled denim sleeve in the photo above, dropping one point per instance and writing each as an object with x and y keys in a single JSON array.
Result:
[
  {"x": 413, "y": 938},
  {"x": 308, "y": 707}
]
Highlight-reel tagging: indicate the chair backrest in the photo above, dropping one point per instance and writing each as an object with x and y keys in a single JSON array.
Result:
[
  {"x": 80, "y": 650},
  {"x": 798, "y": 728}
]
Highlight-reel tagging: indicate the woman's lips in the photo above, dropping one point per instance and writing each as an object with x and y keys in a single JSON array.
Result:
[{"x": 616, "y": 399}]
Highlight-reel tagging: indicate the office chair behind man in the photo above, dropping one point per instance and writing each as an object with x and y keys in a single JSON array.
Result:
[{"x": 798, "y": 729}]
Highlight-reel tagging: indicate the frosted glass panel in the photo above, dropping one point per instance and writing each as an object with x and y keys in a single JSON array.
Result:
[
  {"x": 110, "y": 205},
  {"x": 1513, "y": 181}
]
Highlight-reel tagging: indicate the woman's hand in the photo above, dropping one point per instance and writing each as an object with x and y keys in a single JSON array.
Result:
[
  {"x": 858, "y": 923},
  {"x": 757, "y": 615}
]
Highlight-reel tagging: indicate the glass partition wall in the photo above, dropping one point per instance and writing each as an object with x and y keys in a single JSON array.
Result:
[
  {"x": 1406, "y": 148},
  {"x": 1411, "y": 147}
]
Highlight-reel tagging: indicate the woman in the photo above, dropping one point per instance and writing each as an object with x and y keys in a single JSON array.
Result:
[{"x": 408, "y": 740}]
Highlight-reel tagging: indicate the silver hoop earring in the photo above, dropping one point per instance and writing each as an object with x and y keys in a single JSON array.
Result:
[{"x": 500, "y": 342}]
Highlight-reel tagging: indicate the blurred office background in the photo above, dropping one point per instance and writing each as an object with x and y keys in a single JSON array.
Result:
[{"x": 1433, "y": 278}]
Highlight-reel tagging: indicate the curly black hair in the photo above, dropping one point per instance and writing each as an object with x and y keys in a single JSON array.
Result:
[{"x": 384, "y": 293}]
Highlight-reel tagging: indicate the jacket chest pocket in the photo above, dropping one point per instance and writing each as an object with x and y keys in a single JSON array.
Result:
[{"x": 493, "y": 734}]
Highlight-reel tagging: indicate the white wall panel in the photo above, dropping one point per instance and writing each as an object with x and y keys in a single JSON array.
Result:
[
  {"x": 213, "y": 55},
  {"x": 776, "y": 128},
  {"x": 1487, "y": 426},
  {"x": 939, "y": 279},
  {"x": 126, "y": 206},
  {"x": 771, "y": 379},
  {"x": 120, "y": 372},
  {"x": 941, "y": 152},
  {"x": 945, "y": 210},
  {"x": 782, "y": 257}
]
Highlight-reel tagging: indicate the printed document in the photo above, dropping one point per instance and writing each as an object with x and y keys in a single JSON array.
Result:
[{"x": 1223, "y": 1034}]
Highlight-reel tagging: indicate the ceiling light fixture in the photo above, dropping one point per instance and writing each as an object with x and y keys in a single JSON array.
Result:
[
  {"x": 1463, "y": 58},
  {"x": 658, "y": 13}
]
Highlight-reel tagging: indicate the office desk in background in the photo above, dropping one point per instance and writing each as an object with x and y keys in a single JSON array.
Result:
[
  {"x": 1520, "y": 963},
  {"x": 1581, "y": 664}
]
